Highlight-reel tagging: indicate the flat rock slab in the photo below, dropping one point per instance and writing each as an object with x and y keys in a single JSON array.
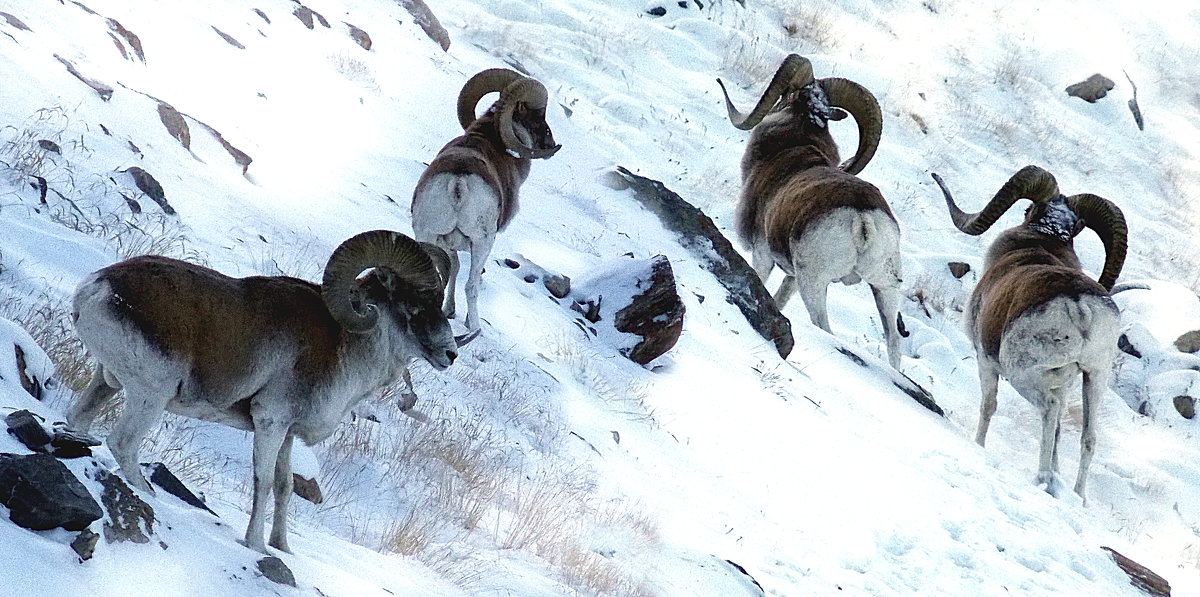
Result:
[
  {"x": 129, "y": 518},
  {"x": 276, "y": 571},
  {"x": 41, "y": 494},
  {"x": 158, "y": 474}
]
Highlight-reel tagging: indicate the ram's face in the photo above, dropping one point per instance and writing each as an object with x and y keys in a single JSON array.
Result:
[
  {"x": 529, "y": 123},
  {"x": 417, "y": 317}
]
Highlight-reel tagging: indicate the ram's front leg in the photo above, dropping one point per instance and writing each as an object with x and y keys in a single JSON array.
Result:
[{"x": 269, "y": 437}]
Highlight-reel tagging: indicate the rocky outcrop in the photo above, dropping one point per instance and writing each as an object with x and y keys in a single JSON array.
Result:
[
  {"x": 656, "y": 314},
  {"x": 698, "y": 234}
]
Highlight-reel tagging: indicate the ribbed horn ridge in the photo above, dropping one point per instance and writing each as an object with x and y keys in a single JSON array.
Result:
[
  {"x": 531, "y": 93},
  {"x": 1107, "y": 220},
  {"x": 795, "y": 70},
  {"x": 862, "y": 105},
  {"x": 491, "y": 80},
  {"x": 441, "y": 261},
  {"x": 1030, "y": 182},
  {"x": 374, "y": 249}
]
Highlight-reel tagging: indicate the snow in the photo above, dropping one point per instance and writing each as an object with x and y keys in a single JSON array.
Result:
[{"x": 550, "y": 463}]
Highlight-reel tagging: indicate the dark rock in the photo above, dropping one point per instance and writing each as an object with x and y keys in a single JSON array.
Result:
[
  {"x": 130, "y": 38},
  {"x": 229, "y": 39},
  {"x": 305, "y": 14},
  {"x": 85, "y": 544},
  {"x": 102, "y": 89},
  {"x": 1133, "y": 105},
  {"x": 50, "y": 146},
  {"x": 158, "y": 474},
  {"x": 657, "y": 11},
  {"x": 1127, "y": 347},
  {"x": 309, "y": 489},
  {"x": 559, "y": 286},
  {"x": 1186, "y": 406},
  {"x": 683, "y": 4},
  {"x": 41, "y": 494},
  {"x": 902, "y": 382},
  {"x": 25, "y": 426},
  {"x": 428, "y": 22},
  {"x": 176, "y": 125},
  {"x": 68, "y": 443},
  {"x": 151, "y": 187},
  {"x": 959, "y": 269},
  {"x": 1140, "y": 576},
  {"x": 276, "y": 571},
  {"x": 1094, "y": 88},
  {"x": 656, "y": 314},
  {"x": 698, "y": 234},
  {"x": 263, "y": 15},
  {"x": 14, "y": 21},
  {"x": 240, "y": 157},
  {"x": 360, "y": 37},
  {"x": 749, "y": 576},
  {"x": 129, "y": 518},
  {"x": 1189, "y": 342},
  {"x": 120, "y": 46}
]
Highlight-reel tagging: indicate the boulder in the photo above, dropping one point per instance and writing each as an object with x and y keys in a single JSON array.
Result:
[
  {"x": 307, "y": 489},
  {"x": 656, "y": 314},
  {"x": 41, "y": 494},
  {"x": 1185, "y": 406},
  {"x": 633, "y": 305},
  {"x": 1094, "y": 88},
  {"x": 714, "y": 252},
  {"x": 129, "y": 518},
  {"x": 428, "y": 22}
]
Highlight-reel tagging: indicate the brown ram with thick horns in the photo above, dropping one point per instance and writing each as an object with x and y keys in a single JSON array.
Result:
[
  {"x": 802, "y": 211},
  {"x": 278, "y": 356},
  {"x": 469, "y": 191},
  {"x": 1035, "y": 317}
]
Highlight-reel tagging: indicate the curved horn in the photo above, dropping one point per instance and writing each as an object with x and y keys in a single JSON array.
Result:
[
  {"x": 1104, "y": 217},
  {"x": 1030, "y": 182},
  {"x": 531, "y": 93},
  {"x": 378, "y": 248},
  {"x": 441, "y": 261},
  {"x": 862, "y": 105},
  {"x": 485, "y": 82},
  {"x": 795, "y": 70}
]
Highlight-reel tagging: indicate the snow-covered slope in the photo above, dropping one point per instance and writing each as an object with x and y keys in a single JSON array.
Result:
[{"x": 552, "y": 465}]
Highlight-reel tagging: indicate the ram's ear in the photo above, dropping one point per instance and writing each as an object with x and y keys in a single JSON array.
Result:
[{"x": 838, "y": 114}]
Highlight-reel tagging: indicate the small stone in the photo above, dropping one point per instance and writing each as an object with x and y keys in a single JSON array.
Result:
[
  {"x": 24, "y": 426},
  {"x": 1127, "y": 347},
  {"x": 1186, "y": 405},
  {"x": 657, "y": 11},
  {"x": 558, "y": 286},
  {"x": 68, "y": 443},
  {"x": 1189, "y": 342},
  {"x": 360, "y": 37},
  {"x": 309, "y": 489},
  {"x": 958, "y": 269},
  {"x": 85, "y": 544},
  {"x": 276, "y": 571}
]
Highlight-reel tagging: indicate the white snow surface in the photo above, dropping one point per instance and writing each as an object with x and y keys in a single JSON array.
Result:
[{"x": 814, "y": 474}]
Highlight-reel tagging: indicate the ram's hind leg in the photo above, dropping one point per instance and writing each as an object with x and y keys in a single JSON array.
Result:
[
  {"x": 143, "y": 410},
  {"x": 97, "y": 395},
  {"x": 451, "y": 283},
  {"x": 1051, "y": 404},
  {"x": 1095, "y": 383},
  {"x": 283, "y": 493},
  {"x": 989, "y": 383},
  {"x": 886, "y": 302},
  {"x": 480, "y": 249}
]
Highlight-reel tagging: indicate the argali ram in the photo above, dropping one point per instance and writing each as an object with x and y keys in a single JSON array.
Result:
[
  {"x": 802, "y": 211},
  {"x": 1035, "y": 317},
  {"x": 278, "y": 356},
  {"x": 469, "y": 191}
]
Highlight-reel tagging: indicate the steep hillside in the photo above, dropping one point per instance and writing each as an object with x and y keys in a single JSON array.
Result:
[{"x": 544, "y": 462}]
